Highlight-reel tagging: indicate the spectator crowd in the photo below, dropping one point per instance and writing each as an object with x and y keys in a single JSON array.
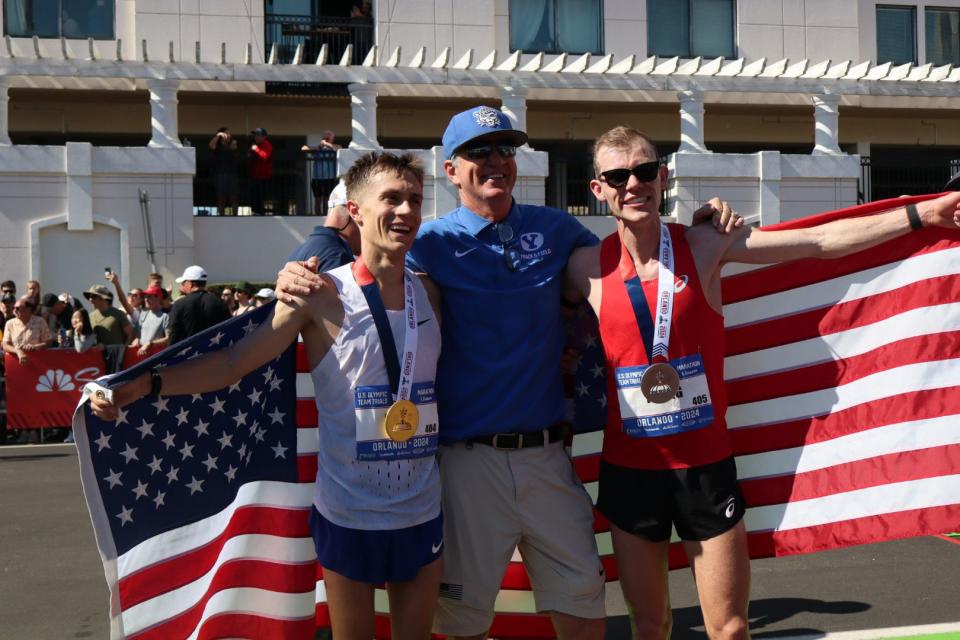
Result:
[{"x": 110, "y": 320}]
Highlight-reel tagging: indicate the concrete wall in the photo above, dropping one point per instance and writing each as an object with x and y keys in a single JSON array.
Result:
[
  {"x": 63, "y": 211},
  {"x": 766, "y": 187}
]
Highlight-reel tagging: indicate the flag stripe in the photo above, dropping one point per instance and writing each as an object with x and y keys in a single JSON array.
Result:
[
  {"x": 243, "y": 625},
  {"x": 823, "y": 453},
  {"x": 917, "y": 405},
  {"x": 845, "y": 345},
  {"x": 183, "y": 570},
  {"x": 877, "y": 386},
  {"x": 188, "y": 605},
  {"x": 833, "y": 373},
  {"x": 854, "y": 286},
  {"x": 833, "y": 319},
  {"x": 172, "y": 543},
  {"x": 847, "y": 477},
  {"x": 875, "y": 528}
]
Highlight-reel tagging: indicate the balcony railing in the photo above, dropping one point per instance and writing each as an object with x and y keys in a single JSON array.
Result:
[
  {"x": 290, "y": 31},
  {"x": 289, "y": 192}
]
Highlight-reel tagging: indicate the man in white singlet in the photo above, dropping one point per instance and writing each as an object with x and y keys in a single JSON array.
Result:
[{"x": 376, "y": 517}]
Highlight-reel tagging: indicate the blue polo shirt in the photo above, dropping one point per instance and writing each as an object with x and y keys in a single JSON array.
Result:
[
  {"x": 326, "y": 244},
  {"x": 499, "y": 368}
]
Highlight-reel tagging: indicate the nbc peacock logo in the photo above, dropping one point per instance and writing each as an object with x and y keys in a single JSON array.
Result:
[{"x": 55, "y": 380}]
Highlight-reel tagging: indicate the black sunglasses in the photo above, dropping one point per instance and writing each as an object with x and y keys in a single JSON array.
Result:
[
  {"x": 511, "y": 255},
  {"x": 482, "y": 151},
  {"x": 644, "y": 172}
]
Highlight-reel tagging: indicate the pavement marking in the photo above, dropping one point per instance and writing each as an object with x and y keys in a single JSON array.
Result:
[
  {"x": 943, "y": 631},
  {"x": 949, "y": 538}
]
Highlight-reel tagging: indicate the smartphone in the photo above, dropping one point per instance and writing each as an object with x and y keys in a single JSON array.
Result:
[{"x": 107, "y": 271}]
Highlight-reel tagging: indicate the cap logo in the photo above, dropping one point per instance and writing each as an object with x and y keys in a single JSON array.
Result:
[{"x": 487, "y": 117}]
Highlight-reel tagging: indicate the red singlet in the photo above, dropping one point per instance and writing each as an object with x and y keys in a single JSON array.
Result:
[{"x": 696, "y": 329}]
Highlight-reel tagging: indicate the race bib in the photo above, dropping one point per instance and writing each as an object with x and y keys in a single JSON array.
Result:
[
  {"x": 370, "y": 408},
  {"x": 691, "y": 409}
]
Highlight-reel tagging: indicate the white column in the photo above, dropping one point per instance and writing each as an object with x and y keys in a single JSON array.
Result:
[
  {"x": 4, "y": 112},
  {"x": 826, "y": 130},
  {"x": 513, "y": 102},
  {"x": 363, "y": 111},
  {"x": 163, "y": 113},
  {"x": 691, "y": 122}
]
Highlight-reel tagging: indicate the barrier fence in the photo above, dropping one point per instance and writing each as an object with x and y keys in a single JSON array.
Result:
[{"x": 43, "y": 391}]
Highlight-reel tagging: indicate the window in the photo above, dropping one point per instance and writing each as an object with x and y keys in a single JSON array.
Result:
[
  {"x": 59, "y": 18},
  {"x": 896, "y": 34},
  {"x": 555, "y": 26},
  {"x": 690, "y": 28},
  {"x": 943, "y": 36}
]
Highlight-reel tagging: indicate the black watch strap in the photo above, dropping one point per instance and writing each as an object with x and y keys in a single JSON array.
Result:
[
  {"x": 156, "y": 382},
  {"x": 914, "y": 217}
]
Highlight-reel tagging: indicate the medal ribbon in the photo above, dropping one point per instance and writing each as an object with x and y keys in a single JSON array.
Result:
[
  {"x": 401, "y": 379},
  {"x": 656, "y": 335}
]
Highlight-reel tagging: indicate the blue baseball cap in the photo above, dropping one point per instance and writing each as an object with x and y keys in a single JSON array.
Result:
[{"x": 477, "y": 122}]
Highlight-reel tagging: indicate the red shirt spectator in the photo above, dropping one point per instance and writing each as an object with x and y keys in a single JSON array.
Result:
[{"x": 260, "y": 163}]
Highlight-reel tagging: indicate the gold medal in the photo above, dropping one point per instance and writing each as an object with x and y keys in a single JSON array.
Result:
[
  {"x": 660, "y": 383},
  {"x": 401, "y": 420}
]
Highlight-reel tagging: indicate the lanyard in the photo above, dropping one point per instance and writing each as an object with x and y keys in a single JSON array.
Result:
[
  {"x": 401, "y": 379},
  {"x": 656, "y": 335}
]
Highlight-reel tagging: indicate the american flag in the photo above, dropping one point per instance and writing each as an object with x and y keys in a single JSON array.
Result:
[
  {"x": 200, "y": 503},
  {"x": 844, "y": 386},
  {"x": 843, "y": 378}
]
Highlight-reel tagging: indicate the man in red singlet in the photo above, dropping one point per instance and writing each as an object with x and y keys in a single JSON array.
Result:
[{"x": 666, "y": 458}]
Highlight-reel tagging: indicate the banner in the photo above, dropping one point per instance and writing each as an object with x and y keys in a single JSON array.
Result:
[{"x": 43, "y": 391}]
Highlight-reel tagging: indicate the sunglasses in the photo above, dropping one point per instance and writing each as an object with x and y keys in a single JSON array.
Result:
[
  {"x": 511, "y": 255},
  {"x": 20, "y": 308},
  {"x": 644, "y": 172},
  {"x": 483, "y": 151}
]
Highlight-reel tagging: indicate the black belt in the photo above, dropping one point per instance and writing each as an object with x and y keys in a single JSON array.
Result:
[{"x": 554, "y": 433}]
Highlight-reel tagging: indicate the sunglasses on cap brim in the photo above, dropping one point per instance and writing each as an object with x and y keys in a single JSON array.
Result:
[
  {"x": 481, "y": 151},
  {"x": 644, "y": 172}
]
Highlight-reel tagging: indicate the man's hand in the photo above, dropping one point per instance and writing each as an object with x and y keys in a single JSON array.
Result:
[
  {"x": 122, "y": 395},
  {"x": 298, "y": 279},
  {"x": 941, "y": 212},
  {"x": 720, "y": 215},
  {"x": 142, "y": 351}
]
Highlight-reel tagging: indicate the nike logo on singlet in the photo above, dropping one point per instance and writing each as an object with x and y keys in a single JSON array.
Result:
[
  {"x": 422, "y": 321},
  {"x": 460, "y": 254}
]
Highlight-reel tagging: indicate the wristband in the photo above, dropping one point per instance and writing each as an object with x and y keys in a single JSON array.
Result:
[
  {"x": 156, "y": 383},
  {"x": 914, "y": 217}
]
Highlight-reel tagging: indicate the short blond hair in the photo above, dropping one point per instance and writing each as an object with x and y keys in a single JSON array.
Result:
[{"x": 621, "y": 138}]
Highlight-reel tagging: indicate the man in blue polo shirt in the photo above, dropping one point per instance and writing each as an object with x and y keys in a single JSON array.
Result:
[{"x": 507, "y": 480}]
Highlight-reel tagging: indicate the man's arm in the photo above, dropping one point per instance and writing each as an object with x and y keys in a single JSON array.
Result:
[
  {"x": 175, "y": 329},
  {"x": 121, "y": 296},
  {"x": 433, "y": 294},
  {"x": 217, "y": 369},
  {"x": 840, "y": 237}
]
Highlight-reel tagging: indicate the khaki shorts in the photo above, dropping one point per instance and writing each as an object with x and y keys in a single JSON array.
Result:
[{"x": 496, "y": 501}]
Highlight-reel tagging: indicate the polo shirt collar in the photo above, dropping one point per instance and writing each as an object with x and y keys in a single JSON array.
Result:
[{"x": 475, "y": 224}]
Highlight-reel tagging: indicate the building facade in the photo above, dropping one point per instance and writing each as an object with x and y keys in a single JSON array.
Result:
[{"x": 105, "y": 99}]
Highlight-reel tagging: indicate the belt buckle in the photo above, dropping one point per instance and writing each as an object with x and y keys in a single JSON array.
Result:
[{"x": 496, "y": 441}]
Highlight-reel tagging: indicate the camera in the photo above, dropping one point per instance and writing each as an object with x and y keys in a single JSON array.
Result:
[{"x": 107, "y": 271}]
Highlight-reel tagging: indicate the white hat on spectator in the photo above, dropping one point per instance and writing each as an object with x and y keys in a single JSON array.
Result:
[
  {"x": 338, "y": 197},
  {"x": 266, "y": 294},
  {"x": 193, "y": 272}
]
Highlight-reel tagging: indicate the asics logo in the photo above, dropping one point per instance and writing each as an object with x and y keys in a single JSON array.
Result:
[
  {"x": 731, "y": 507},
  {"x": 460, "y": 254}
]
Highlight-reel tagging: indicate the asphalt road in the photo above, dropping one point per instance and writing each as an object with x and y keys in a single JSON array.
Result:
[{"x": 52, "y": 585}]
